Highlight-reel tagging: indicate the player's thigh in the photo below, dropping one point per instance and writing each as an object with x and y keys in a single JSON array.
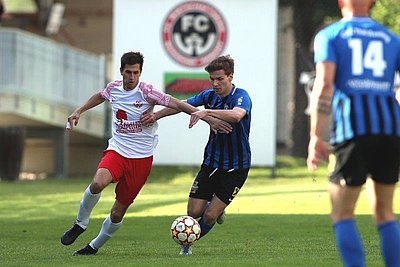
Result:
[
  {"x": 343, "y": 200},
  {"x": 110, "y": 169},
  {"x": 101, "y": 179},
  {"x": 380, "y": 197},
  {"x": 216, "y": 207}
]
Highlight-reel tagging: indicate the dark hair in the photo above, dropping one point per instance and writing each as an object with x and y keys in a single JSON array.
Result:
[
  {"x": 225, "y": 63},
  {"x": 132, "y": 58}
]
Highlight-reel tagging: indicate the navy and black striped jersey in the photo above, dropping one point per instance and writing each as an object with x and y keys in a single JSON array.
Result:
[
  {"x": 227, "y": 151},
  {"x": 367, "y": 56}
]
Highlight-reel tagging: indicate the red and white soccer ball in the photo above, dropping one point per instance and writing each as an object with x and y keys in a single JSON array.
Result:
[{"x": 185, "y": 230}]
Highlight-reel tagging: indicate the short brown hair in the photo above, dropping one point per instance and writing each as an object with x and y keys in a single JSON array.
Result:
[
  {"x": 225, "y": 63},
  {"x": 132, "y": 58}
]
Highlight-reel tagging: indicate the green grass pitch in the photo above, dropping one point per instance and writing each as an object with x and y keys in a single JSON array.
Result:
[{"x": 281, "y": 221}]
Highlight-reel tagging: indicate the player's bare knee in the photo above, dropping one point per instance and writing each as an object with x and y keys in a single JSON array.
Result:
[
  {"x": 210, "y": 217},
  {"x": 96, "y": 187},
  {"x": 340, "y": 216},
  {"x": 382, "y": 216},
  {"x": 193, "y": 212},
  {"x": 116, "y": 216}
]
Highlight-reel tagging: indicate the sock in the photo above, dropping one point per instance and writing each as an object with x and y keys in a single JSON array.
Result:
[
  {"x": 87, "y": 204},
  {"x": 205, "y": 228},
  {"x": 390, "y": 243},
  {"x": 106, "y": 232},
  {"x": 349, "y": 243}
]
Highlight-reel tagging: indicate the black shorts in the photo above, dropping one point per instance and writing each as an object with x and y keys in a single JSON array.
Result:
[
  {"x": 224, "y": 184},
  {"x": 370, "y": 156}
]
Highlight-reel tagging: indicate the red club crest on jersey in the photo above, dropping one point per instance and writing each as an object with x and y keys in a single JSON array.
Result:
[{"x": 121, "y": 115}]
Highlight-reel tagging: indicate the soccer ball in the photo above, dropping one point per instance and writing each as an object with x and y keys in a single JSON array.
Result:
[{"x": 185, "y": 230}]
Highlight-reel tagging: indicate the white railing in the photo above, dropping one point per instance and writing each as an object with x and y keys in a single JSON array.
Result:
[{"x": 44, "y": 69}]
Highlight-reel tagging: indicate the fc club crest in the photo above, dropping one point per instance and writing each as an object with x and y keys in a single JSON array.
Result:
[{"x": 194, "y": 33}]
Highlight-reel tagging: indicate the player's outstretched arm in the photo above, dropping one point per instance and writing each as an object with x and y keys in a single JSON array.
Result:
[
  {"x": 231, "y": 115},
  {"x": 216, "y": 124},
  {"x": 398, "y": 95},
  {"x": 175, "y": 106},
  {"x": 149, "y": 117},
  {"x": 93, "y": 101}
]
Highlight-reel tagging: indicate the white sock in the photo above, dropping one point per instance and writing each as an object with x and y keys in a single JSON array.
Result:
[
  {"x": 88, "y": 202},
  {"x": 107, "y": 231}
]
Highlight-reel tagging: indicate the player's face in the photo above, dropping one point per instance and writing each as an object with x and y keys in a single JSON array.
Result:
[
  {"x": 221, "y": 83},
  {"x": 130, "y": 75}
]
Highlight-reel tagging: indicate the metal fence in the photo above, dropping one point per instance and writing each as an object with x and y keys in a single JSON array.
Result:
[{"x": 41, "y": 68}]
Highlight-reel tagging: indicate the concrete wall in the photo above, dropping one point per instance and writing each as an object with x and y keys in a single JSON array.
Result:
[{"x": 39, "y": 154}]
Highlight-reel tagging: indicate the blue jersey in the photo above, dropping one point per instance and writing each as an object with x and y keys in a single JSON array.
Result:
[
  {"x": 227, "y": 151},
  {"x": 367, "y": 57}
]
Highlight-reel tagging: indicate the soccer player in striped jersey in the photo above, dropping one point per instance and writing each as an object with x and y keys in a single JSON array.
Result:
[
  {"x": 226, "y": 156},
  {"x": 356, "y": 61}
]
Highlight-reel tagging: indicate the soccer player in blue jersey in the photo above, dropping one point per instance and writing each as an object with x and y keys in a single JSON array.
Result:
[
  {"x": 227, "y": 156},
  {"x": 356, "y": 61}
]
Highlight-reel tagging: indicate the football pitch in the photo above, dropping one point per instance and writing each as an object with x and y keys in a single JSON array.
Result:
[{"x": 279, "y": 221}]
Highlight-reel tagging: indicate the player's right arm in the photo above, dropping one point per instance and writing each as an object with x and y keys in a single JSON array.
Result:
[
  {"x": 93, "y": 101},
  {"x": 320, "y": 108}
]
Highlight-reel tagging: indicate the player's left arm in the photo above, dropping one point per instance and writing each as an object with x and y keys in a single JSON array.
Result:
[
  {"x": 240, "y": 109},
  {"x": 216, "y": 124},
  {"x": 174, "y": 106},
  {"x": 234, "y": 115}
]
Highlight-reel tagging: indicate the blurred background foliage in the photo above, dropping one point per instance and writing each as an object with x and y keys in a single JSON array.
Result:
[{"x": 387, "y": 12}]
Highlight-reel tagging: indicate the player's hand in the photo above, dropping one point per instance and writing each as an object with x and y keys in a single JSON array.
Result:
[
  {"x": 398, "y": 95},
  {"x": 73, "y": 120},
  {"x": 218, "y": 125},
  {"x": 196, "y": 116},
  {"x": 148, "y": 118},
  {"x": 318, "y": 151}
]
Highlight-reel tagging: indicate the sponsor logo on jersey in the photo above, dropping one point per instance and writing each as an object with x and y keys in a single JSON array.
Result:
[
  {"x": 125, "y": 126},
  {"x": 194, "y": 33}
]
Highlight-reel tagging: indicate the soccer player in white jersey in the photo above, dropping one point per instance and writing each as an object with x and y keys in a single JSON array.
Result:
[
  {"x": 356, "y": 61},
  {"x": 128, "y": 158}
]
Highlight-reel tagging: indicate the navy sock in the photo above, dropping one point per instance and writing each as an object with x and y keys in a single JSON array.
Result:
[
  {"x": 205, "y": 228},
  {"x": 390, "y": 243},
  {"x": 349, "y": 243}
]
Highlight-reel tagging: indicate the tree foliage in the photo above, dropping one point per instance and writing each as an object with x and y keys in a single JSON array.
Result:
[{"x": 387, "y": 12}]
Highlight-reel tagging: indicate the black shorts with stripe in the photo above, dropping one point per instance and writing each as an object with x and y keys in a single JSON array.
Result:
[
  {"x": 225, "y": 184},
  {"x": 375, "y": 156}
]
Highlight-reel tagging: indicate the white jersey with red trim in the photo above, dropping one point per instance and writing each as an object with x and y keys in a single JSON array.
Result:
[{"x": 130, "y": 138}]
